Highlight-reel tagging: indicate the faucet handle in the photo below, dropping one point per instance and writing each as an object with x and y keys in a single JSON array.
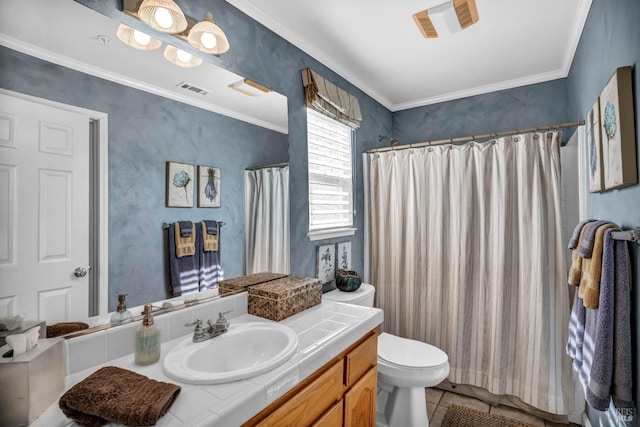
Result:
[
  {"x": 197, "y": 324},
  {"x": 222, "y": 319}
]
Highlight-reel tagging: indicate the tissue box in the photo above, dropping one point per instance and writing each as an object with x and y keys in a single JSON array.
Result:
[
  {"x": 281, "y": 298},
  {"x": 242, "y": 283},
  {"x": 31, "y": 381}
]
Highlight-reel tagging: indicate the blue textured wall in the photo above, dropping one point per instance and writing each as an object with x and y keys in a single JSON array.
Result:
[
  {"x": 611, "y": 39},
  {"x": 145, "y": 131},
  {"x": 519, "y": 108}
]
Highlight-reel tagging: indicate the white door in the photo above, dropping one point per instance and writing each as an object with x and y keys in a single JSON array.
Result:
[{"x": 44, "y": 211}]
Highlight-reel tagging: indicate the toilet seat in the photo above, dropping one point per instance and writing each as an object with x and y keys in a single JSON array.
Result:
[{"x": 404, "y": 353}]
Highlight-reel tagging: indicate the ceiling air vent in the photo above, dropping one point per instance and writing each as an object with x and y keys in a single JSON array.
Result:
[
  {"x": 425, "y": 25},
  {"x": 193, "y": 88},
  {"x": 466, "y": 11}
]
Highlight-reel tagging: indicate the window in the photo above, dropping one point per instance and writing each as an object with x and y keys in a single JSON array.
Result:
[{"x": 330, "y": 177}]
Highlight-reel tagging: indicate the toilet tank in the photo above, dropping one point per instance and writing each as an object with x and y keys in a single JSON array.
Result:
[{"x": 362, "y": 296}]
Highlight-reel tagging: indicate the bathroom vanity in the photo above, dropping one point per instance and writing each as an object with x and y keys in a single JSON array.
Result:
[
  {"x": 343, "y": 392},
  {"x": 329, "y": 381}
]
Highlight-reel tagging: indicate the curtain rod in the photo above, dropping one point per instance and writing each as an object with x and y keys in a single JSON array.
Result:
[
  {"x": 275, "y": 165},
  {"x": 474, "y": 137}
]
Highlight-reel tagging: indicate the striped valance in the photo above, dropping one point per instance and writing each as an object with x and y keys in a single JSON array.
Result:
[{"x": 328, "y": 99}]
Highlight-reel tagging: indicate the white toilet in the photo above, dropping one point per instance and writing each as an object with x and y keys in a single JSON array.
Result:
[{"x": 405, "y": 368}]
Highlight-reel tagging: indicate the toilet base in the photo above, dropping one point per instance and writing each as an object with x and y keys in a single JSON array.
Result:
[{"x": 402, "y": 407}]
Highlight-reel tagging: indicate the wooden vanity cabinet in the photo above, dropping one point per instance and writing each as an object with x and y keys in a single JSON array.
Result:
[{"x": 341, "y": 393}]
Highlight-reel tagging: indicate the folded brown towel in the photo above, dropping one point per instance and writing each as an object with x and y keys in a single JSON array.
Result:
[
  {"x": 210, "y": 241},
  {"x": 589, "y": 289},
  {"x": 185, "y": 246},
  {"x": 63, "y": 328},
  {"x": 575, "y": 272},
  {"x": 116, "y": 394}
]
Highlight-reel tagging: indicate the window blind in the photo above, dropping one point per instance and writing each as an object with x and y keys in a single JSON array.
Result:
[
  {"x": 330, "y": 100},
  {"x": 330, "y": 177}
]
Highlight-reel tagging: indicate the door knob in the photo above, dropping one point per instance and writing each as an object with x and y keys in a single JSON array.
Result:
[{"x": 80, "y": 272}]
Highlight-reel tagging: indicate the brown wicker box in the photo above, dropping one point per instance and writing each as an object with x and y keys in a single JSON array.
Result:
[
  {"x": 243, "y": 282},
  {"x": 281, "y": 298}
]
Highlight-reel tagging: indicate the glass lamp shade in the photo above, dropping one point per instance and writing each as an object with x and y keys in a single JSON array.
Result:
[
  {"x": 181, "y": 58},
  {"x": 163, "y": 15},
  {"x": 137, "y": 39},
  {"x": 207, "y": 37}
]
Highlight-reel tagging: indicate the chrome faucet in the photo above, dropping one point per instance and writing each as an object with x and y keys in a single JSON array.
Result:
[{"x": 212, "y": 330}]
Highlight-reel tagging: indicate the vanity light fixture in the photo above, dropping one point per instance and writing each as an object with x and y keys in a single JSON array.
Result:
[
  {"x": 207, "y": 37},
  {"x": 446, "y": 18},
  {"x": 163, "y": 15},
  {"x": 166, "y": 16},
  {"x": 136, "y": 38},
  {"x": 180, "y": 57},
  {"x": 250, "y": 88}
]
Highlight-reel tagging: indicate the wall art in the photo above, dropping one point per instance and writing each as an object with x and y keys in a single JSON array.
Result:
[
  {"x": 594, "y": 149},
  {"x": 343, "y": 255},
  {"x": 326, "y": 263},
  {"x": 208, "y": 187},
  {"x": 617, "y": 121},
  {"x": 180, "y": 178}
]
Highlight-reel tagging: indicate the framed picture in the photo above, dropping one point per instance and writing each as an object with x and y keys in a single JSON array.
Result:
[
  {"x": 594, "y": 149},
  {"x": 617, "y": 121},
  {"x": 208, "y": 187},
  {"x": 343, "y": 255},
  {"x": 326, "y": 263},
  {"x": 180, "y": 185}
]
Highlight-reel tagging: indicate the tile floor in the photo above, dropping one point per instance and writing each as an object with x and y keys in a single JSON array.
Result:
[{"x": 439, "y": 400}]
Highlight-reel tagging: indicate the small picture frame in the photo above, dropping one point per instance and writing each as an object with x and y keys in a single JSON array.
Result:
[
  {"x": 617, "y": 121},
  {"x": 180, "y": 181},
  {"x": 343, "y": 256},
  {"x": 208, "y": 187},
  {"x": 326, "y": 263}
]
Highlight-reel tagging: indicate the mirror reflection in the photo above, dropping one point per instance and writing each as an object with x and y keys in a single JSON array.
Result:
[{"x": 142, "y": 112}]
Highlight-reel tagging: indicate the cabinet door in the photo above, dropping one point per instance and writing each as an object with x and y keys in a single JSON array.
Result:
[
  {"x": 331, "y": 418},
  {"x": 311, "y": 402},
  {"x": 360, "y": 402},
  {"x": 361, "y": 359}
]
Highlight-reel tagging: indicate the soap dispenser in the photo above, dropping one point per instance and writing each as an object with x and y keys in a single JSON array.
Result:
[
  {"x": 121, "y": 314},
  {"x": 147, "y": 349}
]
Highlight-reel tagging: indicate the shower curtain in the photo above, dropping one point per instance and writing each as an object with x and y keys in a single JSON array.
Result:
[
  {"x": 267, "y": 220},
  {"x": 465, "y": 252}
]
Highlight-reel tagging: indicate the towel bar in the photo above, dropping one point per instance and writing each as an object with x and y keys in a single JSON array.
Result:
[
  {"x": 165, "y": 225},
  {"x": 629, "y": 235}
]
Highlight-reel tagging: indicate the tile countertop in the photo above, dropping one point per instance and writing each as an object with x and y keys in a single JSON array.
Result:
[{"x": 324, "y": 331}]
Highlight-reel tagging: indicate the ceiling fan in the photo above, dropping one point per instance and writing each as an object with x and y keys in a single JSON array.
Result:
[{"x": 446, "y": 18}]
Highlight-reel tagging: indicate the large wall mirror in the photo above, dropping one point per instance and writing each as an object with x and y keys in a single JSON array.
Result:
[{"x": 63, "y": 51}]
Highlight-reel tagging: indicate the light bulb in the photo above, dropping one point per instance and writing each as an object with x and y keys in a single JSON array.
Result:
[
  {"x": 208, "y": 40},
  {"x": 163, "y": 17},
  {"x": 183, "y": 56},
  {"x": 141, "y": 38}
]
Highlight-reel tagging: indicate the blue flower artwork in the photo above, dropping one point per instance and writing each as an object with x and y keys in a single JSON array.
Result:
[
  {"x": 610, "y": 125},
  {"x": 180, "y": 180}
]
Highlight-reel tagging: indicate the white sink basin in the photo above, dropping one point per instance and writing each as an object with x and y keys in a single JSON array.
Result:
[{"x": 246, "y": 350}]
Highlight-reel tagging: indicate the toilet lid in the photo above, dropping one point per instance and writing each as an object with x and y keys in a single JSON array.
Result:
[{"x": 409, "y": 353}]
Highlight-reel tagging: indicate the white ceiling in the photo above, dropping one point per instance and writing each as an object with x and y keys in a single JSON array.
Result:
[
  {"x": 66, "y": 33},
  {"x": 375, "y": 44}
]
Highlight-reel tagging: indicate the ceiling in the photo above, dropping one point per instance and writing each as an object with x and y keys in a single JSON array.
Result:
[
  {"x": 69, "y": 36},
  {"x": 375, "y": 44}
]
